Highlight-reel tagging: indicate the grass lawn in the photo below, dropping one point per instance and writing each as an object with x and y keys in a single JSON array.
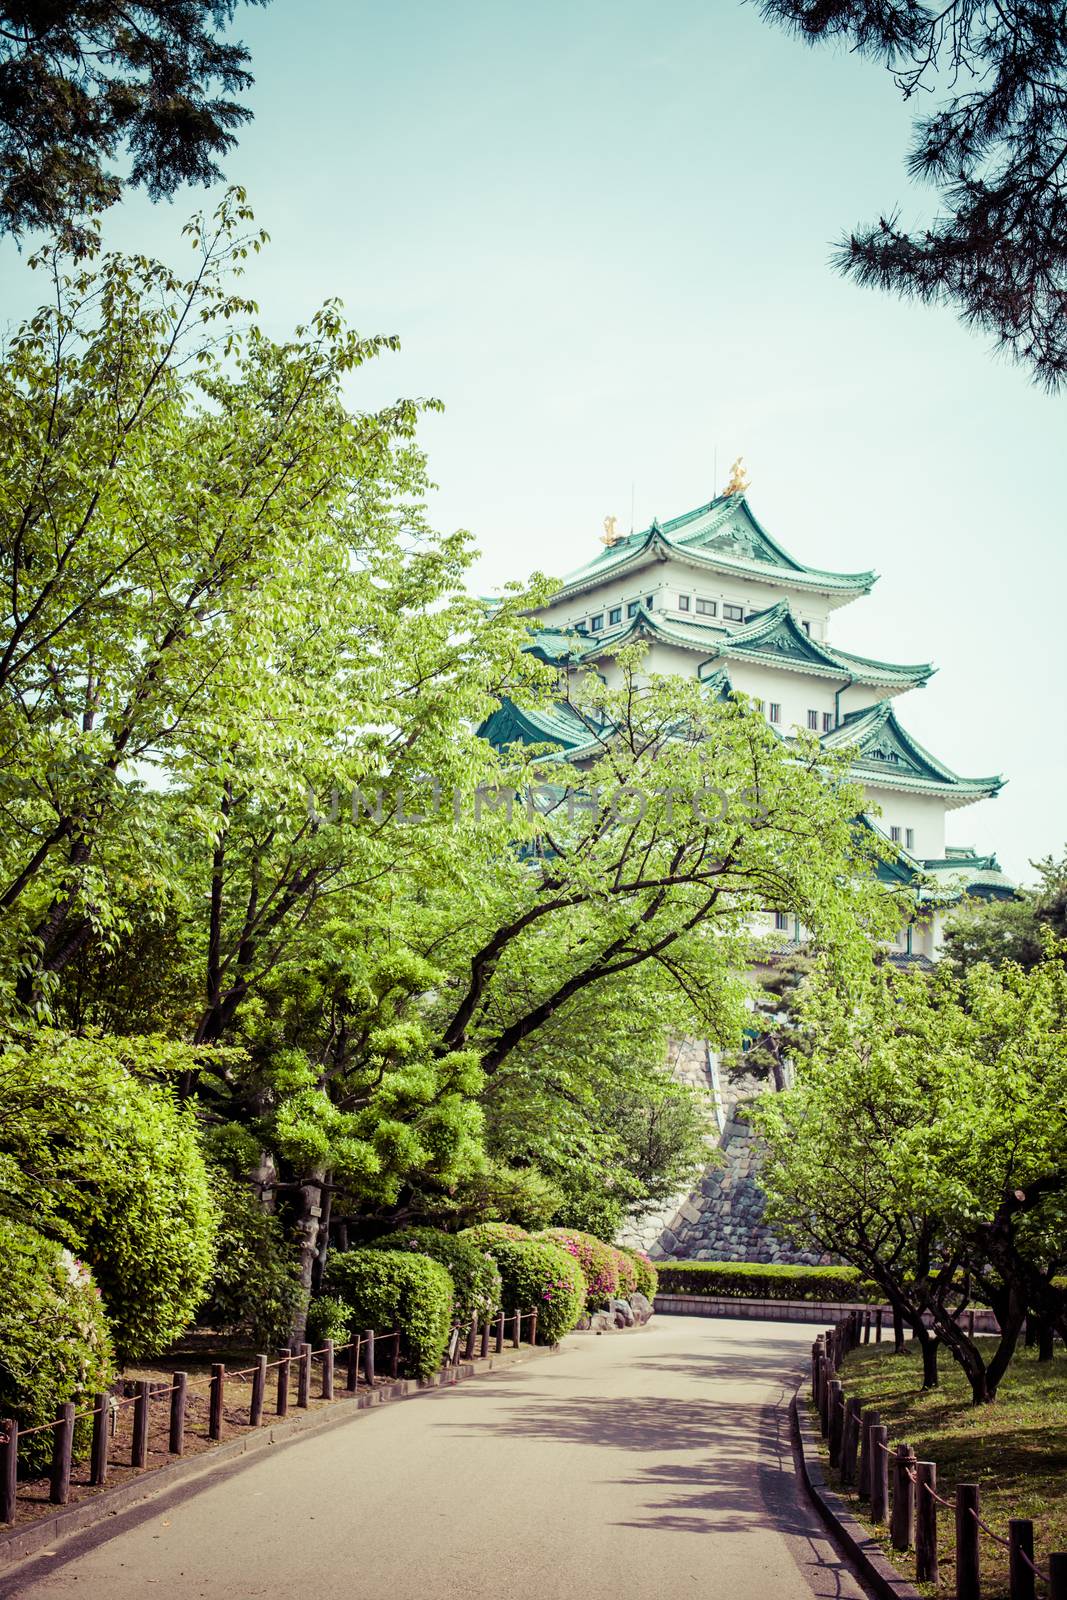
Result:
[{"x": 1015, "y": 1449}]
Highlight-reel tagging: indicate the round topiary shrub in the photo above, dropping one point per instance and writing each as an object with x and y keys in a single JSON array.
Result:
[
  {"x": 647, "y": 1276},
  {"x": 538, "y": 1274},
  {"x": 474, "y": 1273},
  {"x": 627, "y": 1271},
  {"x": 394, "y": 1289},
  {"x": 54, "y": 1340},
  {"x": 486, "y": 1234},
  {"x": 596, "y": 1259}
]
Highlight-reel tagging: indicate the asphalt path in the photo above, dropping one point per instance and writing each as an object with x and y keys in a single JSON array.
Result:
[{"x": 652, "y": 1465}]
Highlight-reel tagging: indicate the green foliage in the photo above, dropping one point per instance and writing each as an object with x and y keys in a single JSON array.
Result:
[
  {"x": 474, "y": 1274},
  {"x": 329, "y": 1318},
  {"x": 390, "y": 1290},
  {"x": 92, "y": 83},
  {"x": 742, "y": 1280},
  {"x": 997, "y": 931},
  {"x": 647, "y": 1274},
  {"x": 598, "y": 1261},
  {"x": 255, "y": 1287},
  {"x": 627, "y": 1271},
  {"x": 54, "y": 1340},
  {"x": 104, "y": 1159},
  {"x": 923, "y": 1142},
  {"x": 539, "y": 1275}
]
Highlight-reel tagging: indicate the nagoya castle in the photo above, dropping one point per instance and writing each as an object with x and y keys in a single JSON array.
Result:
[{"x": 714, "y": 596}]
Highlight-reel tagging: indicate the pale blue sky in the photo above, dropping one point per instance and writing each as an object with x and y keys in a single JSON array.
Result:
[{"x": 602, "y": 233}]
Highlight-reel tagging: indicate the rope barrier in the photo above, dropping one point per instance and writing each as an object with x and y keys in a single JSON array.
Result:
[{"x": 996, "y": 1537}]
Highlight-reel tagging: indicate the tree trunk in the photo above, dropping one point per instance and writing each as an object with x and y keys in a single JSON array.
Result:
[
  {"x": 308, "y": 1227},
  {"x": 928, "y": 1344},
  {"x": 1046, "y": 1341},
  {"x": 898, "y": 1332}
]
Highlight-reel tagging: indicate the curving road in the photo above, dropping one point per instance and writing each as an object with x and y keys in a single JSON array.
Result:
[{"x": 644, "y": 1466}]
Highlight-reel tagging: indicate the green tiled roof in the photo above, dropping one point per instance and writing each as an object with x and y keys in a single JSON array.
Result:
[
  {"x": 776, "y": 636},
  {"x": 559, "y": 724},
  {"x": 723, "y": 534},
  {"x": 886, "y": 754}
]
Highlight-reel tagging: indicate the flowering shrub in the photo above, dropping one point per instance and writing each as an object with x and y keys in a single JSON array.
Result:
[
  {"x": 54, "y": 1339},
  {"x": 537, "y": 1273},
  {"x": 389, "y": 1289},
  {"x": 647, "y": 1276},
  {"x": 596, "y": 1259},
  {"x": 474, "y": 1272},
  {"x": 627, "y": 1270}
]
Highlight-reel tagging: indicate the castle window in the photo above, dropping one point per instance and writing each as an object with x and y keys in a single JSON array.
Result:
[
  {"x": 894, "y": 834},
  {"x": 615, "y": 614},
  {"x": 596, "y": 623},
  {"x": 827, "y": 722},
  {"x": 732, "y": 613},
  {"x": 781, "y": 922},
  {"x": 909, "y": 838},
  {"x": 813, "y": 720},
  {"x": 707, "y": 608},
  {"x": 683, "y": 602},
  {"x": 807, "y": 628},
  {"x": 776, "y": 711},
  {"x": 648, "y": 600},
  {"x": 633, "y": 608}
]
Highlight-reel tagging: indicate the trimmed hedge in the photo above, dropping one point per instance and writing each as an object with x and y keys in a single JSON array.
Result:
[
  {"x": 487, "y": 1234},
  {"x": 54, "y": 1340},
  {"x": 596, "y": 1259},
  {"x": 537, "y": 1273},
  {"x": 741, "y": 1280},
  {"x": 390, "y": 1289},
  {"x": 474, "y": 1273},
  {"x": 647, "y": 1276}
]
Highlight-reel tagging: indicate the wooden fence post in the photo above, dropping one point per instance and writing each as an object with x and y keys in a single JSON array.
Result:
[
  {"x": 285, "y": 1357},
  {"x": 62, "y": 1454},
  {"x": 1020, "y": 1547},
  {"x": 968, "y": 1533},
  {"x": 533, "y": 1326},
  {"x": 394, "y": 1359},
  {"x": 850, "y": 1440},
  {"x": 486, "y": 1336},
  {"x": 836, "y": 1409},
  {"x": 178, "y": 1397},
  {"x": 9, "y": 1468},
  {"x": 352, "y": 1375},
  {"x": 879, "y": 1472},
  {"x": 925, "y": 1522},
  {"x": 500, "y": 1333},
  {"x": 516, "y": 1337},
  {"x": 902, "y": 1519},
  {"x": 259, "y": 1389},
  {"x": 215, "y": 1401},
  {"x": 101, "y": 1436},
  {"x": 303, "y": 1376},
  {"x": 824, "y": 1396},
  {"x": 1057, "y": 1575},
  {"x": 878, "y": 1326},
  {"x": 866, "y": 1327},
  {"x": 139, "y": 1448},
  {"x": 327, "y": 1370},
  {"x": 472, "y": 1340},
  {"x": 368, "y": 1357}
]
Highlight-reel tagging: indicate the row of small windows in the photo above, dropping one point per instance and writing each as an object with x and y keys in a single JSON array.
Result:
[
  {"x": 816, "y": 719},
  {"x": 710, "y": 608},
  {"x": 904, "y": 836},
  {"x": 596, "y": 623}
]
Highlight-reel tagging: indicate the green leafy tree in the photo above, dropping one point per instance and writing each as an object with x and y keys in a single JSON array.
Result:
[
  {"x": 924, "y": 1143},
  {"x": 95, "y": 1153},
  {"x": 80, "y": 82},
  {"x": 996, "y": 931},
  {"x": 993, "y": 74}
]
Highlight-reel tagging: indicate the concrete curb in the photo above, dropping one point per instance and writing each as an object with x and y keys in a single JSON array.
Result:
[
  {"x": 865, "y": 1551},
  {"x": 822, "y": 1312},
  {"x": 19, "y": 1542}
]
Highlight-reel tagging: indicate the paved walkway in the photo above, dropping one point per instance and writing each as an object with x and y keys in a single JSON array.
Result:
[{"x": 645, "y": 1466}]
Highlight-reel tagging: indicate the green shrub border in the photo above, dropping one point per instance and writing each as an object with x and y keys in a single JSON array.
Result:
[{"x": 751, "y": 1280}]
